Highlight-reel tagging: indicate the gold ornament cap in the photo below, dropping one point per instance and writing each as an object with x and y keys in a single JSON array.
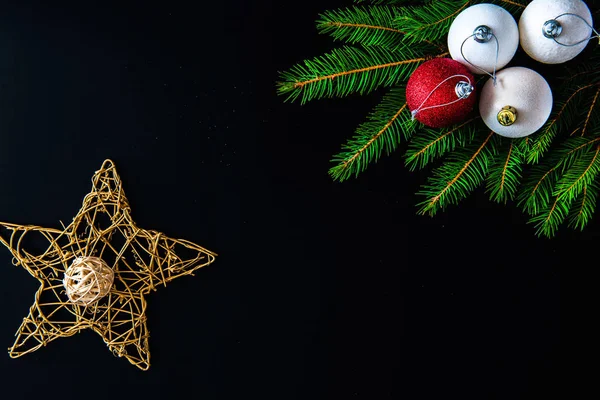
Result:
[{"x": 507, "y": 116}]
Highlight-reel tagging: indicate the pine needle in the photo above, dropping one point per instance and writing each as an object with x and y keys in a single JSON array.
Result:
[
  {"x": 538, "y": 189},
  {"x": 463, "y": 172},
  {"x": 583, "y": 207},
  {"x": 348, "y": 70},
  {"x": 569, "y": 187},
  {"x": 593, "y": 106},
  {"x": 372, "y": 26},
  {"x": 566, "y": 115},
  {"x": 509, "y": 5},
  {"x": 430, "y": 22},
  {"x": 387, "y": 125},
  {"x": 386, "y": 2},
  {"x": 431, "y": 144},
  {"x": 505, "y": 175}
]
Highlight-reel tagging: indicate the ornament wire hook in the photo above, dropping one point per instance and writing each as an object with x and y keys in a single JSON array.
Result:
[
  {"x": 552, "y": 29},
  {"x": 462, "y": 90},
  {"x": 482, "y": 34}
]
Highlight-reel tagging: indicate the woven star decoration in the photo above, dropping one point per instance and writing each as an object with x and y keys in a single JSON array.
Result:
[{"x": 95, "y": 272}]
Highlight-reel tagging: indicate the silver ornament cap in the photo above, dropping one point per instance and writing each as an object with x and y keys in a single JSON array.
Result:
[
  {"x": 552, "y": 29},
  {"x": 482, "y": 34},
  {"x": 463, "y": 89}
]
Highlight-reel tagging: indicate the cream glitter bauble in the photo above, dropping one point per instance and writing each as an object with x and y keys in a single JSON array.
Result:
[
  {"x": 572, "y": 29},
  {"x": 518, "y": 105},
  {"x": 483, "y": 55}
]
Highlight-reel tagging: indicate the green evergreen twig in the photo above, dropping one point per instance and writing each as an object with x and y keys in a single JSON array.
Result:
[
  {"x": 569, "y": 187},
  {"x": 349, "y": 70},
  {"x": 431, "y": 144},
  {"x": 462, "y": 173},
  {"x": 429, "y": 22},
  {"x": 387, "y": 125},
  {"x": 371, "y": 26},
  {"x": 505, "y": 175}
]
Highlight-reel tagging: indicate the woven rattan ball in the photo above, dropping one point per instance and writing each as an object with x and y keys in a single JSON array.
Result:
[{"x": 88, "y": 280}]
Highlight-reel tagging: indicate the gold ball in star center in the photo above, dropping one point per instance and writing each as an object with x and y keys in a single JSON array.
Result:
[{"x": 87, "y": 280}]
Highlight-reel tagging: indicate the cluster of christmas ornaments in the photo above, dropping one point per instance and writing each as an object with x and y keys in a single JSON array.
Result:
[{"x": 515, "y": 102}]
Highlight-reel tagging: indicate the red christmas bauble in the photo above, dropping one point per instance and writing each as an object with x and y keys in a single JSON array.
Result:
[{"x": 422, "y": 84}]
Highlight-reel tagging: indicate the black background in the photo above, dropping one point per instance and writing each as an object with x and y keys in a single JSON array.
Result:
[{"x": 321, "y": 289}]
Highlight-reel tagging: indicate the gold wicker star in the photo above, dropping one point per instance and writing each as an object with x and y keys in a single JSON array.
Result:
[{"x": 101, "y": 236}]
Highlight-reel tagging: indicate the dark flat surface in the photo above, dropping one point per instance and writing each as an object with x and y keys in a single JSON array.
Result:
[{"x": 321, "y": 290}]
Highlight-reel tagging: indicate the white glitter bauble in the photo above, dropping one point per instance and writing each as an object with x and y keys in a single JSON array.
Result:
[
  {"x": 544, "y": 49},
  {"x": 523, "y": 89},
  {"x": 483, "y": 55}
]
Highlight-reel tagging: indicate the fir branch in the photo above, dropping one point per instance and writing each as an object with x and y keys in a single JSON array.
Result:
[
  {"x": 548, "y": 221},
  {"x": 538, "y": 189},
  {"x": 561, "y": 119},
  {"x": 538, "y": 145},
  {"x": 462, "y": 173},
  {"x": 512, "y": 6},
  {"x": 538, "y": 197},
  {"x": 524, "y": 146},
  {"x": 429, "y": 22},
  {"x": 584, "y": 206},
  {"x": 384, "y": 2},
  {"x": 348, "y": 70},
  {"x": 503, "y": 180},
  {"x": 585, "y": 72},
  {"x": 372, "y": 26},
  {"x": 512, "y": 3},
  {"x": 568, "y": 188},
  {"x": 386, "y": 125},
  {"x": 433, "y": 143},
  {"x": 580, "y": 174},
  {"x": 589, "y": 114}
]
